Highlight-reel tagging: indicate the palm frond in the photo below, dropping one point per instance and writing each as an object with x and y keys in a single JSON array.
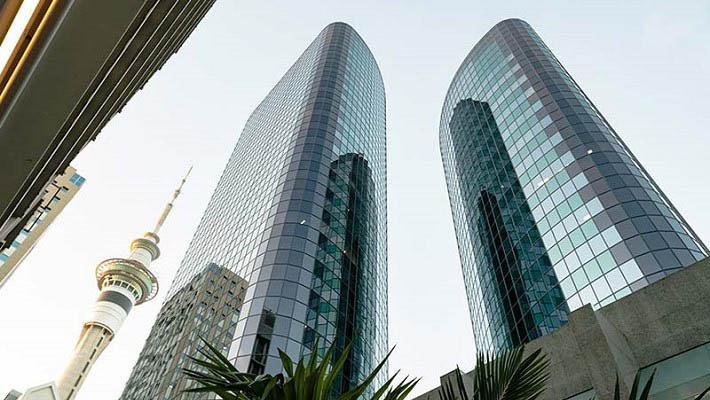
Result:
[
  {"x": 217, "y": 375},
  {"x": 633, "y": 395},
  {"x": 647, "y": 388},
  {"x": 401, "y": 390},
  {"x": 509, "y": 376},
  {"x": 311, "y": 379},
  {"x": 362, "y": 387},
  {"x": 703, "y": 393},
  {"x": 646, "y": 391},
  {"x": 450, "y": 392}
]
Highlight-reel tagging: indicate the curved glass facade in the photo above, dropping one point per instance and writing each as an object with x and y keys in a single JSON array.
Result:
[
  {"x": 300, "y": 214},
  {"x": 551, "y": 209}
]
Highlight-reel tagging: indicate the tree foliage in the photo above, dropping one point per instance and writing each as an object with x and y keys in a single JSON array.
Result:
[
  {"x": 509, "y": 376},
  {"x": 313, "y": 379}
]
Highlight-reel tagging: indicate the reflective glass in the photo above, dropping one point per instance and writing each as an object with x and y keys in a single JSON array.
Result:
[
  {"x": 548, "y": 202},
  {"x": 300, "y": 215}
]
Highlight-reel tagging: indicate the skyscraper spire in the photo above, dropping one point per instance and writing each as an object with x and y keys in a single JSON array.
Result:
[{"x": 123, "y": 283}]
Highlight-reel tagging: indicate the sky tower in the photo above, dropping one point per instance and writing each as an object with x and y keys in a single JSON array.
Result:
[{"x": 123, "y": 284}]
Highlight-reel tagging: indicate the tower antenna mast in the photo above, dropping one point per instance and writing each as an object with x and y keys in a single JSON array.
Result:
[
  {"x": 123, "y": 283},
  {"x": 169, "y": 206}
]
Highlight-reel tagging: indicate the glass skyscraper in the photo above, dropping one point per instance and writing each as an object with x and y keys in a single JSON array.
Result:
[
  {"x": 551, "y": 209},
  {"x": 300, "y": 215}
]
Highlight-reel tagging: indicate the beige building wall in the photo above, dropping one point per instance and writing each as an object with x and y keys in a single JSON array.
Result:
[
  {"x": 94, "y": 339},
  {"x": 56, "y": 196},
  {"x": 664, "y": 327}
]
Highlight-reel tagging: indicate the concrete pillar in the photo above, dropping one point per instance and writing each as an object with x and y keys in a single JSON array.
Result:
[{"x": 92, "y": 342}]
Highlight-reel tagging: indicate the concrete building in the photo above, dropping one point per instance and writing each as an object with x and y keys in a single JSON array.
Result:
[
  {"x": 174, "y": 337},
  {"x": 56, "y": 196},
  {"x": 123, "y": 283},
  {"x": 300, "y": 213},
  {"x": 13, "y": 395},
  {"x": 663, "y": 327},
  {"x": 77, "y": 83},
  {"x": 47, "y": 391},
  {"x": 551, "y": 209}
]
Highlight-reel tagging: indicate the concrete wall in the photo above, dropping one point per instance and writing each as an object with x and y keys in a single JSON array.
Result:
[{"x": 648, "y": 326}]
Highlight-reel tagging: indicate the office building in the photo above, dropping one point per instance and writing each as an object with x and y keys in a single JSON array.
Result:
[
  {"x": 551, "y": 209},
  {"x": 43, "y": 41},
  {"x": 176, "y": 334},
  {"x": 56, "y": 196},
  {"x": 300, "y": 214},
  {"x": 664, "y": 327}
]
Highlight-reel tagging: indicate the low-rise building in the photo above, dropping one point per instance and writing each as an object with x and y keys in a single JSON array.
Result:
[{"x": 664, "y": 327}]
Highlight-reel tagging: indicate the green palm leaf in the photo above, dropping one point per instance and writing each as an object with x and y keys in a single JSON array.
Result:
[
  {"x": 309, "y": 380},
  {"x": 704, "y": 392},
  {"x": 646, "y": 391},
  {"x": 449, "y": 392},
  {"x": 508, "y": 376}
]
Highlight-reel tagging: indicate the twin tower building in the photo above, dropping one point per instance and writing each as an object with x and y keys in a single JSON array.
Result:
[{"x": 551, "y": 211}]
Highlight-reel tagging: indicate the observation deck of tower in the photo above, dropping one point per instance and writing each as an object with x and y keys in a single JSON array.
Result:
[{"x": 123, "y": 283}]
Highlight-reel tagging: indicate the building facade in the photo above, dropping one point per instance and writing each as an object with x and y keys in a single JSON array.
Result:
[
  {"x": 42, "y": 39},
  {"x": 551, "y": 209},
  {"x": 664, "y": 327},
  {"x": 175, "y": 336},
  {"x": 300, "y": 214},
  {"x": 56, "y": 196},
  {"x": 13, "y": 395}
]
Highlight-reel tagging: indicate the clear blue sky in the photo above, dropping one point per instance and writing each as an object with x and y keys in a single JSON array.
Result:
[{"x": 645, "y": 64}]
